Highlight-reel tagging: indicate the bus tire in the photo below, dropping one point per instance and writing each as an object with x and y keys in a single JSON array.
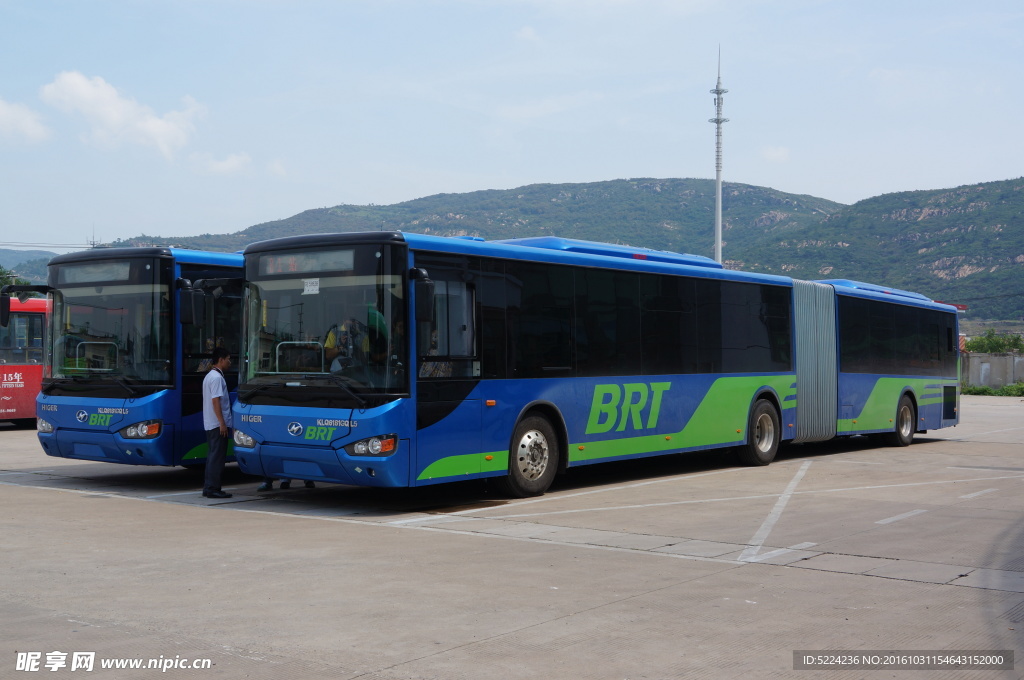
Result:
[
  {"x": 763, "y": 435},
  {"x": 532, "y": 458},
  {"x": 906, "y": 416}
]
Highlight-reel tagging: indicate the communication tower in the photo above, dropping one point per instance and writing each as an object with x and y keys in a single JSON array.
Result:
[{"x": 718, "y": 120}]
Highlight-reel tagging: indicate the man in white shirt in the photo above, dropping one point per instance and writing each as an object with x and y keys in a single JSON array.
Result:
[{"x": 216, "y": 422}]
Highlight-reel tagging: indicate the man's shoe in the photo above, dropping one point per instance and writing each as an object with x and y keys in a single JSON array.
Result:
[
  {"x": 265, "y": 486},
  {"x": 286, "y": 484},
  {"x": 216, "y": 494}
]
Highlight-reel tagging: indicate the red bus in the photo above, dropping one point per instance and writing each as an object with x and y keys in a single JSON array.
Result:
[{"x": 21, "y": 360}]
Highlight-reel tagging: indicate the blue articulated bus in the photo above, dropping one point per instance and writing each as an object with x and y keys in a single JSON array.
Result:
[
  {"x": 390, "y": 359},
  {"x": 130, "y": 340}
]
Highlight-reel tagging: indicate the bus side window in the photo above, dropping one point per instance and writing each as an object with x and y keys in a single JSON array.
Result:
[{"x": 452, "y": 332}]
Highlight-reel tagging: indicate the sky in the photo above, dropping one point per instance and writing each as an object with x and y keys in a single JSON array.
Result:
[{"x": 120, "y": 118}]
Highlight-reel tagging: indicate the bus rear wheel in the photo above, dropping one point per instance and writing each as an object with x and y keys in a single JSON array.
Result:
[
  {"x": 763, "y": 435},
  {"x": 905, "y": 424},
  {"x": 532, "y": 458}
]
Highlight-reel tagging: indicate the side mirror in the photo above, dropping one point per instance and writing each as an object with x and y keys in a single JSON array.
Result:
[
  {"x": 423, "y": 288},
  {"x": 192, "y": 303},
  {"x": 22, "y": 291}
]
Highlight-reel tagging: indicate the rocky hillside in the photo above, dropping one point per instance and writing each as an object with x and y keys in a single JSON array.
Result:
[{"x": 960, "y": 245}]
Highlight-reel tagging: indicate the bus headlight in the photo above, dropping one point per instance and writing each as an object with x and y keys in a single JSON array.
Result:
[
  {"x": 244, "y": 440},
  {"x": 147, "y": 429},
  {"x": 43, "y": 425},
  {"x": 381, "y": 445}
]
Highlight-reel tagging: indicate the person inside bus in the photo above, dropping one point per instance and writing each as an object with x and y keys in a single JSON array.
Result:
[
  {"x": 207, "y": 362},
  {"x": 435, "y": 369},
  {"x": 343, "y": 345},
  {"x": 372, "y": 368},
  {"x": 351, "y": 342}
]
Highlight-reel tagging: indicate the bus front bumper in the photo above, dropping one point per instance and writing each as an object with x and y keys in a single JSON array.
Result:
[
  {"x": 326, "y": 464},
  {"x": 105, "y": 447}
]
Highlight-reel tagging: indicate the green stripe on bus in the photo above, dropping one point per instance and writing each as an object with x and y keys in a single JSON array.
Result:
[
  {"x": 467, "y": 464},
  {"x": 196, "y": 452},
  {"x": 715, "y": 422},
  {"x": 199, "y": 451},
  {"x": 879, "y": 412},
  {"x": 720, "y": 419}
]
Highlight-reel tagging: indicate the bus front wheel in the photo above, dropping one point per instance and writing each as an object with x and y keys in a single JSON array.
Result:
[
  {"x": 905, "y": 425},
  {"x": 532, "y": 458},
  {"x": 763, "y": 435}
]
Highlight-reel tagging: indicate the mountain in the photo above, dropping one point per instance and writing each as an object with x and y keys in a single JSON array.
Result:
[
  {"x": 962, "y": 245},
  {"x": 10, "y": 259},
  {"x": 26, "y": 264}
]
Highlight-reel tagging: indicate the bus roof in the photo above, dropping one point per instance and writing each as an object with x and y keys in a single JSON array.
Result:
[
  {"x": 876, "y": 292},
  {"x": 178, "y": 254},
  {"x": 583, "y": 253},
  {"x": 612, "y": 250},
  {"x": 589, "y": 254}
]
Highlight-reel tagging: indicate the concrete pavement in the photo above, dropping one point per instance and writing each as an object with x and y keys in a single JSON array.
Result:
[{"x": 679, "y": 567}]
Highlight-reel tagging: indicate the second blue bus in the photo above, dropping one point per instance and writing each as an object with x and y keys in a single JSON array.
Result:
[
  {"x": 390, "y": 359},
  {"x": 129, "y": 343}
]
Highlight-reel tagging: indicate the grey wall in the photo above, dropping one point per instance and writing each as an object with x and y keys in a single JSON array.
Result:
[{"x": 993, "y": 370}]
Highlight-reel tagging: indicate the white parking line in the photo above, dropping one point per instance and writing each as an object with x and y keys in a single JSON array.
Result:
[
  {"x": 979, "y": 493},
  {"x": 897, "y": 518},
  {"x": 744, "y": 498},
  {"x": 557, "y": 497},
  {"x": 755, "y": 543}
]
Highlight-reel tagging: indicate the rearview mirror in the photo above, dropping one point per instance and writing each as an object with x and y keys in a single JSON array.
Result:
[{"x": 423, "y": 288}]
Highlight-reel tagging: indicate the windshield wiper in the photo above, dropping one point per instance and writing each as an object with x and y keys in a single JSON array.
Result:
[
  {"x": 340, "y": 383},
  {"x": 57, "y": 382},
  {"x": 132, "y": 392},
  {"x": 258, "y": 388}
]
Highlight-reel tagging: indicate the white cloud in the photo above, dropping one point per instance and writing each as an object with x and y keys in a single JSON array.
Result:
[
  {"x": 17, "y": 121},
  {"x": 235, "y": 162},
  {"x": 116, "y": 118},
  {"x": 775, "y": 154}
]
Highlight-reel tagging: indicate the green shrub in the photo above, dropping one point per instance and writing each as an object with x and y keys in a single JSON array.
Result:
[{"x": 1014, "y": 390}]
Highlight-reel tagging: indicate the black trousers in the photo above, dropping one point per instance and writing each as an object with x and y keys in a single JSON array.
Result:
[{"x": 218, "y": 447}]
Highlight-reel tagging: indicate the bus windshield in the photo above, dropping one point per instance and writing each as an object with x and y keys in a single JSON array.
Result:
[
  {"x": 21, "y": 341},
  {"x": 113, "y": 330},
  {"x": 333, "y": 321}
]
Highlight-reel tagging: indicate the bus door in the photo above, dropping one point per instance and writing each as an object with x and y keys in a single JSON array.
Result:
[
  {"x": 217, "y": 323},
  {"x": 448, "y": 406}
]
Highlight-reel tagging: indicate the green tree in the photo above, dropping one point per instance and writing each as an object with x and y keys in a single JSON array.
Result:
[
  {"x": 992, "y": 342},
  {"x": 8, "y": 277}
]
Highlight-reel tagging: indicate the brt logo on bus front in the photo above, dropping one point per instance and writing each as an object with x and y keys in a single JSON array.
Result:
[
  {"x": 325, "y": 434},
  {"x": 633, "y": 405},
  {"x": 101, "y": 419}
]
